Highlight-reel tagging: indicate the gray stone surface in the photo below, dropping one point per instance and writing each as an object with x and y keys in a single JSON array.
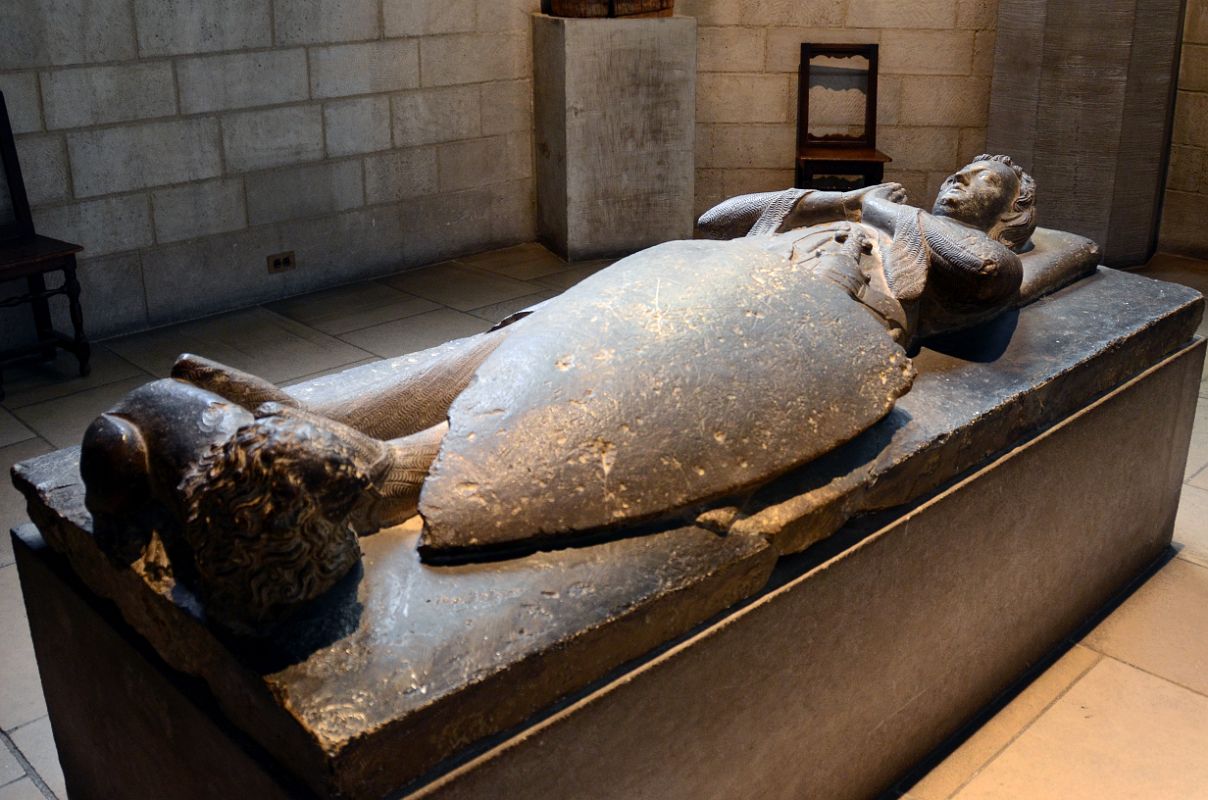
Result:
[
  {"x": 472, "y": 58},
  {"x": 108, "y": 225},
  {"x": 365, "y": 68},
  {"x": 364, "y": 243},
  {"x": 129, "y": 157},
  {"x": 309, "y": 191},
  {"x": 1096, "y": 140},
  {"x": 436, "y": 115},
  {"x": 477, "y": 162},
  {"x": 356, "y": 126},
  {"x": 44, "y": 168},
  {"x": 77, "y": 98},
  {"x": 111, "y": 292},
  {"x": 272, "y": 138},
  {"x": 198, "y": 209},
  {"x": 409, "y": 18},
  {"x": 175, "y": 27},
  {"x": 507, "y": 106},
  {"x": 84, "y": 31},
  {"x": 317, "y": 21},
  {"x": 615, "y": 132},
  {"x": 241, "y": 80},
  {"x": 400, "y": 174},
  {"x": 21, "y": 98}
]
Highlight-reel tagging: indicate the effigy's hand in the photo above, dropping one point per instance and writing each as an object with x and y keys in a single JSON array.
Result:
[{"x": 853, "y": 241}]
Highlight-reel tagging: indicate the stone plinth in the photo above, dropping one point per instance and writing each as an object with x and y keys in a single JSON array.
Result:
[
  {"x": 1082, "y": 99},
  {"x": 615, "y": 107},
  {"x": 1033, "y": 473}
]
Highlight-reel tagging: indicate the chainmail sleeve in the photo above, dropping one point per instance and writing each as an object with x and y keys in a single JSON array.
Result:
[{"x": 748, "y": 214}]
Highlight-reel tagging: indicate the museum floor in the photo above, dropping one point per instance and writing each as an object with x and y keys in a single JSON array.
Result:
[{"x": 1123, "y": 713}]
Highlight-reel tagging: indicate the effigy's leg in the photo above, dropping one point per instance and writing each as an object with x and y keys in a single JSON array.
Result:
[{"x": 391, "y": 399}]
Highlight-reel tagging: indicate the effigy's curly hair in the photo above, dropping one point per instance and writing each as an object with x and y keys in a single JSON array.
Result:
[
  {"x": 1016, "y": 228},
  {"x": 266, "y": 519}
]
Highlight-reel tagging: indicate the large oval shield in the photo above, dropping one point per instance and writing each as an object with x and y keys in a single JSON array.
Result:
[{"x": 681, "y": 374}]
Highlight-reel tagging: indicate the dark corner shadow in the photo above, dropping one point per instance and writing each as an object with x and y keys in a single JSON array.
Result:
[
  {"x": 946, "y": 748},
  {"x": 980, "y": 344},
  {"x": 318, "y": 624}
]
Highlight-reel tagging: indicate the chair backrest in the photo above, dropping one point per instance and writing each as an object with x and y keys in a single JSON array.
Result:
[
  {"x": 840, "y": 80},
  {"x": 16, "y": 221}
]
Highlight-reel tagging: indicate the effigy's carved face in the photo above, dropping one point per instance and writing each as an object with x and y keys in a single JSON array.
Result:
[{"x": 980, "y": 194}]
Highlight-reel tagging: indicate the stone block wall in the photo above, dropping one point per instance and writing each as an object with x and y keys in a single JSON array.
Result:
[
  {"x": 934, "y": 86},
  {"x": 1185, "y": 210},
  {"x": 184, "y": 141}
]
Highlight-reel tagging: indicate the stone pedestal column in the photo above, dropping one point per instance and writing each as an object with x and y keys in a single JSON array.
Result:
[
  {"x": 1082, "y": 98},
  {"x": 615, "y": 107}
]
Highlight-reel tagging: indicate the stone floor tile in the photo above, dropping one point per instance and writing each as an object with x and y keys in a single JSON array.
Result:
[
  {"x": 1117, "y": 733},
  {"x": 569, "y": 277},
  {"x": 35, "y": 383},
  {"x": 254, "y": 340},
  {"x": 1197, "y": 455},
  {"x": 455, "y": 285},
  {"x": 1191, "y": 524},
  {"x": 985, "y": 743},
  {"x": 524, "y": 262},
  {"x": 497, "y": 312},
  {"x": 21, "y": 699},
  {"x": 350, "y": 308},
  {"x": 1161, "y": 628},
  {"x": 37, "y": 744},
  {"x": 416, "y": 333},
  {"x": 10, "y": 768},
  {"x": 62, "y": 421},
  {"x": 23, "y": 789},
  {"x": 11, "y": 430},
  {"x": 12, "y": 502}
]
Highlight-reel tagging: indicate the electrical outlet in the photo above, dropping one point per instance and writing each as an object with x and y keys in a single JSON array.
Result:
[{"x": 281, "y": 262}]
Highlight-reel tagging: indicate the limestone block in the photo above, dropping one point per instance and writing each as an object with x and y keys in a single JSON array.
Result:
[
  {"x": 931, "y": 14},
  {"x": 1193, "y": 69},
  {"x": 922, "y": 148},
  {"x": 615, "y": 126},
  {"x": 357, "y": 126},
  {"x": 972, "y": 144},
  {"x": 749, "y": 98},
  {"x": 746, "y": 146},
  {"x": 889, "y": 99},
  {"x": 199, "y": 209},
  {"x": 364, "y": 243},
  {"x": 425, "y": 17},
  {"x": 242, "y": 80},
  {"x": 513, "y": 212},
  {"x": 977, "y": 14},
  {"x": 983, "y": 52},
  {"x": 319, "y": 21},
  {"x": 111, "y": 292},
  {"x": 478, "y": 162},
  {"x": 710, "y": 189},
  {"x": 440, "y": 226},
  {"x": 1191, "y": 118},
  {"x": 915, "y": 183},
  {"x": 507, "y": 106},
  {"x": 205, "y": 276},
  {"x": 148, "y": 154},
  {"x": 176, "y": 27},
  {"x": 944, "y": 100},
  {"x": 1182, "y": 229},
  {"x": 784, "y": 44},
  {"x": 745, "y": 181},
  {"x": 44, "y": 168},
  {"x": 473, "y": 58},
  {"x": 436, "y": 115},
  {"x": 1196, "y": 26},
  {"x": 365, "y": 68},
  {"x": 730, "y": 49},
  {"x": 109, "y": 225},
  {"x": 712, "y": 12},
  {"x": 309, "y": 191},
  {"x": 1187, "y": 169},
  {"x": 83, "y": 31},
  {"x": 21, "y": 98},
  {"x": 818, "y": 13},
  {"x": 271, "y": 138},
  {"x": 909, "y": 52},
  {"x": 400, "y": 174},
  {"x": 76, "y": 98},
  {"x": 507, "y": 15}
]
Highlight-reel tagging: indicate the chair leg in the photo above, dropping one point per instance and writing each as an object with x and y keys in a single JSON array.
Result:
[
  {"x": 41, "y": 311},
  {"x": 82, "y": 349}
]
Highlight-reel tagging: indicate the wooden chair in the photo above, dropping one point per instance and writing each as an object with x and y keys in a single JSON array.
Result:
[
  {"x": 847, "y": 153},
  {"x": 26, "y": 255}
]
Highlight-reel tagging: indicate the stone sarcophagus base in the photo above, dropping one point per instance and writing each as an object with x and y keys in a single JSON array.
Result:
[{"x": 678, "y": 664}]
